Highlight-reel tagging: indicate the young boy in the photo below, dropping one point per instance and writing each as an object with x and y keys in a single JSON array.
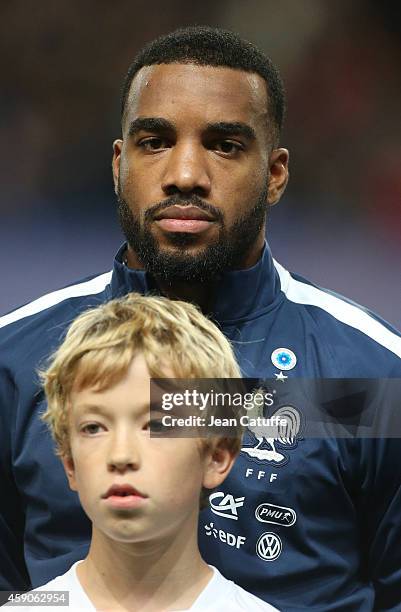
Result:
[{"x": 141, "y": 492}]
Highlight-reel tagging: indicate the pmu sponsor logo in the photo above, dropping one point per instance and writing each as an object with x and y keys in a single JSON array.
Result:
[
  {"x": 224, "y": 536},
  {"x": 276, "y": 515},
  {"x": 226, "y": 506}
]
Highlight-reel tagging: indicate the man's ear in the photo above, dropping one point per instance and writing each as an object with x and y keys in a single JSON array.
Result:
[
  {"x": 115, "y": 164},
  {"x": 219, "y": 460},
  {"x": 69, "y": 469},
  {"x": 278, "y": 179}
]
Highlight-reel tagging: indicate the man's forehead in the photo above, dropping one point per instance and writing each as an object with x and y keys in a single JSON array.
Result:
[{"x": 206, "y": 89}]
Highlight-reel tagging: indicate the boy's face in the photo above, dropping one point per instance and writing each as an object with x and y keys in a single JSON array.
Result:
[{"x": 132, "y": 486}]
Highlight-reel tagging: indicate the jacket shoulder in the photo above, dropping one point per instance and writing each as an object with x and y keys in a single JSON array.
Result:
[
  {"x": 341, "y": 321},
  {"x": 34, "y": 321}
]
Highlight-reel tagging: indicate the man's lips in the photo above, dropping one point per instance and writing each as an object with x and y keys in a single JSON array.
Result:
[
  {"x": 185, "y": 213},
  {"x": 123, "y": 496},
  {"x": 190, "y": 219}
]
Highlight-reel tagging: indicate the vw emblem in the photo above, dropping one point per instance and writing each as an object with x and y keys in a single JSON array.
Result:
[{"x": 269, "y": 546}]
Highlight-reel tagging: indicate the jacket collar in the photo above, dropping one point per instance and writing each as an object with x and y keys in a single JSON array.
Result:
[{"x": 241, "y": 294}]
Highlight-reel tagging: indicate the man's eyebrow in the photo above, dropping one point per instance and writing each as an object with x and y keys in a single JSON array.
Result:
[
  {"x": 226, "y": 128},
  {"x": 149, "y": 124}
]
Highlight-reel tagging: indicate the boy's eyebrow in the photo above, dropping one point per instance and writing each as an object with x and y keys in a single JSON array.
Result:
[
  {"x": 235, "y": 128},
  {"x": 149, "y": 124},
  {"x": 96, "y": 408},
  {"x": 155, "y": 407},
  {"x": 104, "y": 410}
]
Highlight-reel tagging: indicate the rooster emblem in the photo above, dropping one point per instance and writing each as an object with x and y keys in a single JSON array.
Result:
[{"x": 288, "y": 427}]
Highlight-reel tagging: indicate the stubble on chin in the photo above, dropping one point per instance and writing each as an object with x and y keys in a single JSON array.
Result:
[{"x": 177, "y": 263}]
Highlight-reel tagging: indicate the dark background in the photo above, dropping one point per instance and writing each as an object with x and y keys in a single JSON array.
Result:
[{"x": 339, "y": 223}]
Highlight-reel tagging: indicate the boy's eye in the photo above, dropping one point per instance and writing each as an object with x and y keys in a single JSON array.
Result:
[
  {"x": 92, "y": 428},
  {"x": 155, "y": 425}
]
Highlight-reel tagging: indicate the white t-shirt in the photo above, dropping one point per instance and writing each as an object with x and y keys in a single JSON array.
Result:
[{"x": 219, "y": 594}]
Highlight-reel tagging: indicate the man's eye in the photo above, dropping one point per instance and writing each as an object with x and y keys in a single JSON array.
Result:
[
  {"x": 92, "y": 429},
  {"x": 228, "y": 147},
  {"x": 153, "y": 144}
]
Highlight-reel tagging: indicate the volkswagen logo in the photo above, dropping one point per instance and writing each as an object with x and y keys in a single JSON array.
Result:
[{"x": 269, "y": 546}]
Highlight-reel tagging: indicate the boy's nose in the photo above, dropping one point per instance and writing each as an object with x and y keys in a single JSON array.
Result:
[{"x": 124, "y": 454}]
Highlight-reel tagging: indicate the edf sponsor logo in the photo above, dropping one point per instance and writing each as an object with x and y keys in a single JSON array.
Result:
[{"x": 231, "y": 539}]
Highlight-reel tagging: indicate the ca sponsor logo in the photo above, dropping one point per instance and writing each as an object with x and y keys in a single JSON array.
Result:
[
  {"x": 277, "y": 515},
  {"x": 226, "y": 506},
  {"x": 224, "y": 536},
  {"x": 269, "y": 546}
]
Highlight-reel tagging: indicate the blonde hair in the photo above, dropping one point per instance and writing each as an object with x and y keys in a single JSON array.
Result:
[{"x": 102, "y": 342}]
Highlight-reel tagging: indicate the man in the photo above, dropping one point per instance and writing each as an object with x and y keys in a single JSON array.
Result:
[{"x": 303, "y": 523}]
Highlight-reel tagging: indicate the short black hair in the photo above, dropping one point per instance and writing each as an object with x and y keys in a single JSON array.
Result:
[{"x": 209, "y": 46}]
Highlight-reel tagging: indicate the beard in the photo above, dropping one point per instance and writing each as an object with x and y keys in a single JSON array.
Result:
[{"x": 226, "y": 252}]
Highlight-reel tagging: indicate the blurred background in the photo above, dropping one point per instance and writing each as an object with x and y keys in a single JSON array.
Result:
[{"x": 339, "y": 223}]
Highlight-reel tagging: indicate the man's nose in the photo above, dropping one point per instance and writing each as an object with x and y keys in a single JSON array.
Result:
[
  {"x": 187, "y": 170},
  {"x": 124, "y": 452}
]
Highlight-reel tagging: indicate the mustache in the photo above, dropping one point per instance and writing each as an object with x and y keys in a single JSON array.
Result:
[{"x": 183, "y": 200}]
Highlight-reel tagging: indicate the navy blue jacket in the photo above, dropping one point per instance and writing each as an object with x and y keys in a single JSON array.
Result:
[{"x": 304, "y": 523}]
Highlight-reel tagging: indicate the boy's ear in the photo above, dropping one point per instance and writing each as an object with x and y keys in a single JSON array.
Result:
[
  {"x": 69, "y": 469},
  {"x": 219, "y": 460}
]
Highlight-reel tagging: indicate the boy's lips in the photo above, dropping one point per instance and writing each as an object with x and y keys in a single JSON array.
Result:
[
  {"x": 122, "y": 490},
  {"x": 123, "y": 496}
]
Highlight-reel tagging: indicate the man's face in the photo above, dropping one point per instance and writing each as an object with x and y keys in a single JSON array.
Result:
[
  {"x": 194, "y": 172},
  {"x": 134, "y": 488}
]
